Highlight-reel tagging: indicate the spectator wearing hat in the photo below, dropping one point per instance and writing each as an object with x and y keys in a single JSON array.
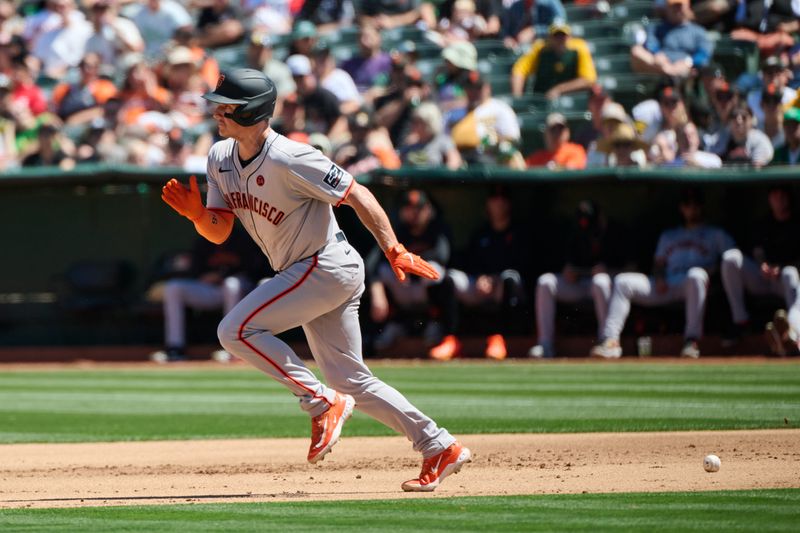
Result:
[
  {"x": 406, "y": 90},
  {"x": 661, "y": 136},
  {"x": 612, "y": 116},
  {"x": 320, "y": 106},
  {"x": 623, "y": 147},
  {"x": 304, "y": 38},
  {"x": 81, "y": 102},
  {"x": 62, "y": 47},
  {"x": 426, "y": 144},
  {"x": 724, "y": 99},
  {"x": 218, "y": 24},
  {"x": 594, "y": 249},
  {"x": 182, "y": 78},
  {"x": 260, "y": 56},
  {"x": 141, "y": 93},
  {"x": 328, "y": 15},
  {"x": 774, "y": 73},
  {"x": 687, "y": 153},
  {"x": 559, "y": 152},
  {"x": 336, "y": 80},
  {"x": 673, "y": 47},
  {"x": 420, "y": 225},
  {"x": 208, "y": 66},
  {"x": 157, "y": 21},
  {"x": 459, "y": 60},
  {"x": 387, "y": 14},
  {"x": 369, "y": 146},
  {"x": 523, "y": 21},
  {"x": 772, "y": 116},
  {"x": 789, "y": 153},
  {"x": 113, "y": 36},
  {"x": 589, "y": 132},
  {"x": 684, "y": 259},
  {"x": 489, "y": 276},
  {"x": 489, "y": 133},
  {"x": 662, "y": 112},
  {"x": 560, "y": 64},
  {"x": 742, "y": 142},
  {"x": 372, "y": 65}
]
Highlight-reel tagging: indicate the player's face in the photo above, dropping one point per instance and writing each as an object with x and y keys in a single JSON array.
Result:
[
  {"x": 692, "y": 211},
  {"x": 225, "y": 125}
]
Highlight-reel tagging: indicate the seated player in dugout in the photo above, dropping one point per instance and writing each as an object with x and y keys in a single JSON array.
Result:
[
  {"x": 769, "y": 269},
  {"x": 395, "y": 301},
  {"x": 210, "y": 277},
  {"x": 594, "y": 253},
  {"x": 488, "y": 275},
  {"x": 283, "y": 192},
  {"x": 685, "y": 257}
]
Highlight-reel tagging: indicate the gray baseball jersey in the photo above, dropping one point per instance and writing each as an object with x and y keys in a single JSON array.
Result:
[
  {"x": 683, "y": 248},
  {"x": 288, "y": 186}
]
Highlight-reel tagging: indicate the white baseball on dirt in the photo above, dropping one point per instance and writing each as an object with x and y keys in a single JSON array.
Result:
[{"x": 711, "y": 463}]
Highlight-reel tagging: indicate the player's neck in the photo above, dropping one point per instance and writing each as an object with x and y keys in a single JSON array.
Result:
[{"x": 250, "y": 145}]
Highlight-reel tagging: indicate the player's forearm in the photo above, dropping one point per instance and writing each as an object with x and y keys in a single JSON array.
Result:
[
  {"x": 216, "y": 226},
  {"x": 372, "y": 215}
]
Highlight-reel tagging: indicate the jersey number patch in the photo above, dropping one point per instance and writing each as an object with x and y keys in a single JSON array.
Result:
[{"x": 333, "y": 177}]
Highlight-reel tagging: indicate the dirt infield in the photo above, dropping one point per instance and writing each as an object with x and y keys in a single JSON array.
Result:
[{"x": 71, "y": 475}]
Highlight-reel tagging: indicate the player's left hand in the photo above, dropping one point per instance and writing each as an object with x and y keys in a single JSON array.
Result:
[
  {"x": 404, "y": 262},
  {"x": 186, "y": 201}
]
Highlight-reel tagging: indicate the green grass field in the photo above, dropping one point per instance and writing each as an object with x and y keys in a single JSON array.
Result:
[
  {"x": 188, "y": 403},
  {"x": 107, "y": 405}
]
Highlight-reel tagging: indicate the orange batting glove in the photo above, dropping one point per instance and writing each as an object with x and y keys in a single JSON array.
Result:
[
  {"x": 404, "y": 262},
  {"x": 186, "y": 202}
]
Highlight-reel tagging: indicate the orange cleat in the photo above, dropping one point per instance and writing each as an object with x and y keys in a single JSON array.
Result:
[
  {"x": 438, "y": 467},
  {"x": 496, "y": 347},
  {"x": 449, "y": 347},
  {"x": 327, "y": 427}
]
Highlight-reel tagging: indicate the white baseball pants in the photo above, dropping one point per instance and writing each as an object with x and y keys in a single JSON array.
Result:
[
  {"x": 322, "y": 294},
  {"x": 552, "y": 288},
  {"x": 740, "y": 273},
  {"x": 182, "y": 293},
  {"x": 640, "y": 289}
]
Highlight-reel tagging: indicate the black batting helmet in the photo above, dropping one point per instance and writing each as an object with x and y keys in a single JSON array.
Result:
[{"x": 249, "y": 89}]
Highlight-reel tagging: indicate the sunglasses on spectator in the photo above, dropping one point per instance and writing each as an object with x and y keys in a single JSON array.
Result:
[{"x": 669, "y": 102}]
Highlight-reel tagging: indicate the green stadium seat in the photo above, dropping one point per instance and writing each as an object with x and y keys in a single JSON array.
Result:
[
  {"x": 577, "y": 101},
  {"x": 615, "y": 64},
  {"x": 496, "y": 65},
  {"x": 633, "y": 11},
  {"x": 629, "y": 89},
  {"x": 490, "y": 46},
  {"x": 595, "y": 29},
  {"x": 736, "y": 57},
  {"x": 500, "y": 83},
  {"x": 528, "y": 103},
  {"x": 582, "y": 13},
  {"x": 609, "y": 46},
  {"x": 394, "y": 36}
]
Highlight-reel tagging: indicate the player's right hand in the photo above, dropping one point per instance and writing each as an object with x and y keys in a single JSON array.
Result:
[
  {"x": 404, "y": 262},
  {"x": 186, "y": 201}
]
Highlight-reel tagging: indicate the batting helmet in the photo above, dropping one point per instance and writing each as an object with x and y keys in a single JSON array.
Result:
[{"x": 249, "y": 89}]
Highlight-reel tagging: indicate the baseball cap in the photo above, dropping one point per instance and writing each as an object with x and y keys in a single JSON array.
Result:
[
  {"x": 559, "y": 26},
  {"x": 623, "y": 134},
  {"x": 180, "y": 55},
  {"x": 669, "y": 93},
  {"x": 793, "y": 114},
  {"x": 614, "y": 111},
  {"x": 303, "y": 30},
  {"x": 774, "y": 62},
  {"x": 554, "y": 119},
  {"x": 299, "y": 65},
  {"x": 771, "y": 95},
  {"x": 462, "y": 54}
]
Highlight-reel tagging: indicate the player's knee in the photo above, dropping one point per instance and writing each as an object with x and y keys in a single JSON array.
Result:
[
  {"x": 547, "y": 283},
  {"x": 232, "y": 284},
  {"x": 698, "y": 276},
  {"x": 790, "y": 276},
  {"x": 228, "y": 333},
  {"x": 173, "y": 289},
  {"x": 624, "y": 283},
  {"x": 601, "y": 282},
  {"x": 732, "y": 258}
]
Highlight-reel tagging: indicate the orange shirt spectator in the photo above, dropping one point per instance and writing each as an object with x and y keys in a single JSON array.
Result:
[{"x": 560, "y": 153}]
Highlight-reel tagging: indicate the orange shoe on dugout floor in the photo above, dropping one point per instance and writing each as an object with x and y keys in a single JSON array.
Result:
[
  {"x": 327, "y": 427},
  {"x": 449, "y": 348},
  {"x": 438, "y": 467},
  {"x": 496, "y": 347}
]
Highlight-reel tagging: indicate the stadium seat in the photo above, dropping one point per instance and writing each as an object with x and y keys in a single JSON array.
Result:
[
  {"x": 633, "y": 11},
  {"x": 610, "y": 46},
  {"x": 577, "y": 101},
  {"x": 528, "y": 103},
  {"x": 613, "y": 64},
  {"x": 595, "y": 29},
  {"x": 629, "y": 89},
  {"x": 582, "y": 13},
  {"x": 496, "y": 64},
  {"x": 489, "y": 46},
  {"x": 736, "y": 57}
]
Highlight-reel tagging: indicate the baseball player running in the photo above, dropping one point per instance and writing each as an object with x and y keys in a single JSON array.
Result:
[
  {"x": 282, "y": 192},
  {"x": 683, "y": 259}
]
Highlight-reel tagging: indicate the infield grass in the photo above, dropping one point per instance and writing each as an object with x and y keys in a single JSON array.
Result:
[
  {"x": 80, "y": 405},
  {"x": 756, "y": 510}
]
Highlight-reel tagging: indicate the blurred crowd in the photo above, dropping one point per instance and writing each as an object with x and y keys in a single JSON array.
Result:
[{"x": 443, "y": 83}]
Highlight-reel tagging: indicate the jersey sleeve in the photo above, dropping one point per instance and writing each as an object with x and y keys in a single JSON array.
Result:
[
  {"x": 311, "y": 174},
  {"x": 214, "y": 198},
  {"x": 529, "y": 63}
]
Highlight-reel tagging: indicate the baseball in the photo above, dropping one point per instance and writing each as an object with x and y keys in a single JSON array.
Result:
[{"x": 711, "y": 463}]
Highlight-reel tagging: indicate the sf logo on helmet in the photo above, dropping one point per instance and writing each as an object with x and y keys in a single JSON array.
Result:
[{"x": 219, "y": 81}]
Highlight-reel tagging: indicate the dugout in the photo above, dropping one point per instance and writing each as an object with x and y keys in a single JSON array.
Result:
[{"x": 112, "y": 218}]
